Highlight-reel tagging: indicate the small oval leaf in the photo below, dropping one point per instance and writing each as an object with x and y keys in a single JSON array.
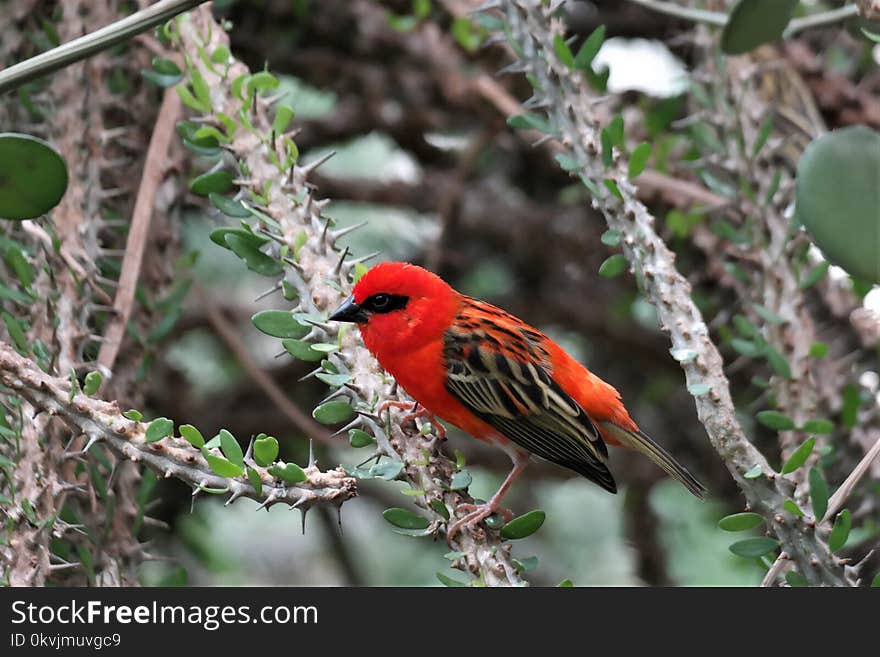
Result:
[
  {"x": 818, "y": 494},
  {"x": 158, "y": 429},
  {"x": 265, "y": 451},
  {"x": 333, "y": 412},
  {"x": 840, "y": 531},
  {"x": 525, "y": 525},
  {"x": 754, "y": 547},
  {"x": 289, "y": 472},
  {"x": 799, "y": 456},
  {"x": 739, "y": 522},
  {"x": 192, "y": 435},
  {"x": 405, "y": 519},
  {"x": 231, "y": 448},
  {"x": 33, "y": 177},
  {"x": 279, "y": 324}
]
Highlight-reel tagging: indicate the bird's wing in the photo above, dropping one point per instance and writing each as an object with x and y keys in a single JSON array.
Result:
[{"x": 497, "y": 367}]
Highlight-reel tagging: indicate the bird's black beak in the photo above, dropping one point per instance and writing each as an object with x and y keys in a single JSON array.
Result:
[{"x": 349, "y": 311}]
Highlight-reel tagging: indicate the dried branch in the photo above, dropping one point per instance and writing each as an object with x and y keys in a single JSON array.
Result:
[
  {"x": 533, "y": 31},
  {"x": 836, "y": 502},
  {"x": 154, "y": 170},
  {"x": 102, "y": 421},
  {"x": 317, "y": 275}
]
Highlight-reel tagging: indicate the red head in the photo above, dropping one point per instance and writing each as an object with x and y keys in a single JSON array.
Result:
[{"x": 399, "y": 307}]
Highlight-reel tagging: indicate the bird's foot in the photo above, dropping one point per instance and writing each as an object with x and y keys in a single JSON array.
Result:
[
  {"x": 476, "y": 513},
  {"x": 416, "y": 411}
]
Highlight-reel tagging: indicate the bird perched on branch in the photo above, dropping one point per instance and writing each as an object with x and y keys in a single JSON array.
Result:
[{"x": 495, "y": 377}]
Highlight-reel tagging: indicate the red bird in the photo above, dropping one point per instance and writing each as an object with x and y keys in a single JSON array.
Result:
[{"x": 495, "y": 377}]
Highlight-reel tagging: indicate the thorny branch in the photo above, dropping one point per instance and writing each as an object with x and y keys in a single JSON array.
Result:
[
  {"x": 532, "y": 32},
  {"x": 101, "y": 421},
  {"x": 291, "y": 204}
]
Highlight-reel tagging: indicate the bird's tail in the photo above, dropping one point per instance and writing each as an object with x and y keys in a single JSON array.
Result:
[{"x": 643, "y": 443}]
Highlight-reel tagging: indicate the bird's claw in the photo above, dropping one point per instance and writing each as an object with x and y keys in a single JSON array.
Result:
[
  {"x": 476, "y": 513},
  {"x": 415, "y": 412}
]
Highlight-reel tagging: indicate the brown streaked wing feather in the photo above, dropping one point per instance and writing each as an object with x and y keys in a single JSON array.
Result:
[{"x": 500, "y": 373}]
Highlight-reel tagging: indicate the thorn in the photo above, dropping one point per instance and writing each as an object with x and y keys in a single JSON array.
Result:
[
  {"x": 342, "y": 232},
  {"x": 492, "y": 40},
  {"x": 351, "y": 425},
  {"x": 516, "y": 67},
  {"x": 233, "y": 497},
  {"x": 535, "y": 102},
  {"x": 303, "y": 512},
  {"x": 250, "y": 449},
  {"x": 320, "y": 205},
  {"x": 374, "y": 418},
  {"x": 268, "y": 501},
  {"x": 369, "y": 256},
  {"x": 308, "y": 168},
  {"x": 338, "y": 268},
  {"x": 486, "y": 6},
  {"x": 312, "y": 461},
  {"x": 92, "y": 440},
  {"x": 542, "y": 140},
  {"x": 63, "y": 566},
  {"x": 339, "y": 517},
  {"x": 265, "y": 294},
  {"x": 333, "y": 395},
  {"x": 311, "y": 374}
]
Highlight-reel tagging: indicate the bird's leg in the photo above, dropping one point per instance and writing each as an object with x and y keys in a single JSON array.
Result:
[
  {"x": 479, "y": 512},
  {"x": 415, "y": 411}
]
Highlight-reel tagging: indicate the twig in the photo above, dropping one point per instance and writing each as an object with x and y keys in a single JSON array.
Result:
[
  {"x": 820, "y": 19},
  {"x": 92, "y": 43},
  {"x": 775, "y": 570},
  {"x": 138, "y": 234},
  {"x": 716, "y": 18},
  {"x": 841, "y": 494},
  {"x": 227, "y": 333},
  {"x": 170, "y": 457}
]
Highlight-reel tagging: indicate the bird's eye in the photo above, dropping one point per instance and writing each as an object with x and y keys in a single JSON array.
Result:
[{"x": 381, "y": 302}]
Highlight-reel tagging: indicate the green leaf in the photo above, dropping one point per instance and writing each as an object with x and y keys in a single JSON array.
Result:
[
  {"x": 262, "y": 81},
  {"x": 389, "y": 470},
  {"x": 740, "y": 522},
  {"x": 279, "y": 324},
  {"x": 283, "y": 117},
  {"x": 192, "y": 435},
  {"x": 229, "y": 207},
  {"x": 818, "y": 350},
  {"x": 231, "y": 448},
  {"x": 265, "y": 450},
  {"x": 333, "y": 380},
  {"x": 818, "y": 494},
  {"x": 792, "y": 508},
  {"x": 776, "y": 420},
  {"x": 218, "y": 182},
  {"x": 405, "y": 519},
  {"x": 755, "y": 22},
  {"x": 525, "y": 565},
  {"x": 358, "y": 438},
  {"x": 795, "y": 579},
  {"x": 777, "y": 362},
  {"x": 639, "y": 160},
  {"x": 615, "y": 131},
  {"x": 589, "y": 49},
  {"x": 698, "y": 389},
  {"x": 132, "y": 414},
  {"x": 289, "y": 472},
  {"x": 255, "y": 479},
  {"x": 201, "y": 88},
  {"x": 763, "y": 135},
  {"x": 565, "y": 584},
  {"x": 567, "y": 162},
  {"x": 158, "y": 429},
  {"x": 165, "y": 73},
  {"x": 613, "y": 188},
  {"x": 838, "y": 198},
  {"x": 255, "y": 259},
  {"x": 301, "y": 350},
  {"x": 440, "y": 508},
  {"x": 799, "y": 456},
  {"x": 92, "y": 383},
  {"x": 613, "y": 266},
  {"x": 525, "y": 525},
  {"x": 754, "y": 547},
  {"x": 449, "y": 581},
  {"x": 754, "y": 472},
  {"x": 218, "y": 236},
  {"x": 611, "y": 237},
  {"x": 460, "y": 480},
  {"x": 563, "y": 52},
  {"x": 333, "y": 412},
  {"x": 818, "y": 425},
  {"x": 607, "y": 148},
  {"x": 16, "y": 332},
  {"x": 33, "y": 177},
  {"x": 840, "y": 531},
  {"x": 221, "y": 466},
  {"x": 768, "y": 315},
  {"x": 530, "y": 121}
]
